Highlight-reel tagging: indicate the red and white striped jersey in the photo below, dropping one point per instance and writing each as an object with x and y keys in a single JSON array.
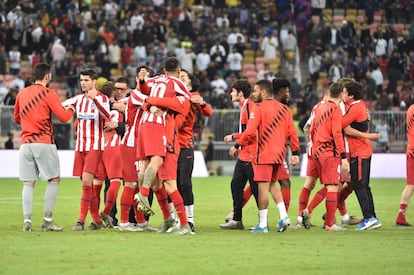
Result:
[
  {"x": 112, "y": 138},
  {"x": 133, "y": 114},
  {"x": 163, "y": 86},
  {"x": 91, "y": 115}
]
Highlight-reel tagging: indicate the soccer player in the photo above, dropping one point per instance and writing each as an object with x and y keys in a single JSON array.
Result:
[
  {"x": 269, "y": 125},
  {"x": 243, "y": 170},
  {"x": 121, "y": 91},
  {"x": 281, "y": 91},
  {"x": 409, "y": 187},
  {"x": 328, "y": 150},
  {"x": 92, "y": 109},
  {"x": 360, "y": 152},
  {"x": 133, "y": 112},
  {"x": 38, "y": 154},
  {"x": 186, "y": 141},
  {"x": 167, "y": 106},
  {"x": 111, "y": 162}
]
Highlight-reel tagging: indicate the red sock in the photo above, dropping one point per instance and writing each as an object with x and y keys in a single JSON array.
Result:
[
  {"x": 286, "y": 197},
  {"x": 94, "y": 207},
  {"x": 179, "y": 206},
  {"x": 127, "y": 198},
  {"x": 144, "y": 191},
  {"x": 111, "y": 196},
  {"x": 162, "y": 198},
  {"x": 303, "y": 199},
  {"x": 317, "y": 199},
  {"x": 345, "y": 192},
  {"x": 331, "y": 204},
  {"x": 97, "y": 191},
  {"x": 403, "y": 207},
  {"x": 85, "y": 202},
  {"x": 247, "y": 193}
]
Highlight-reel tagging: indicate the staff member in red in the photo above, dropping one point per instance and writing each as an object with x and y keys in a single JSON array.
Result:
[
  {"x": 360, "y": 151},
  {"x": 38, "y": 154},
  {"x": 243, "y": 170},
  {"x": 186, "y": 141}
]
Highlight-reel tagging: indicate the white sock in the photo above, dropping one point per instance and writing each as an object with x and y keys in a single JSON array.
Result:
[
  {"x": 263, "y": 218},
  {"x": 299, "y": 220},
  {"x": 50, "y": 199},
  {"x": 282, "y": 210},
  {"x": 189, "y": 209},
  {"x": 345, "y": 217},
  {"x": 27, "y": 200}
]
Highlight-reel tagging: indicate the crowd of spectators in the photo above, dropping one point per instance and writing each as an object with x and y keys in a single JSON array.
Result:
[{"x": 210, "y": 37}]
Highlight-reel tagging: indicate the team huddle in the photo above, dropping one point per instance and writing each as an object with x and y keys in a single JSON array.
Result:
[{"x": 145, "y": 140}]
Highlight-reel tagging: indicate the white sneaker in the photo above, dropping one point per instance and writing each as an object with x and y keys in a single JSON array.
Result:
[
  {"x": 146, "y": 226},
  {"x": 175, "y": 227},
  {"x": 334, "y": 227},
  {"x": 129, "y": 227},
  {"x": 229, "y": 217}
]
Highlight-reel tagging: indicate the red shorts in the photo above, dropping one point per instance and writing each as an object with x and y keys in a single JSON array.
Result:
[
  {"x": 266, "y": 172},
  {"x": 168, "y": 170},
  {"x": 328, "y": 169},
  {"x": 311, "y": 169},
  {"x": 86, "y": 162},
  {"x": 410, "y": 171},
  {"x": 152, "y": 141},
  {"x": 129, "y": 163},
  {"x": 283, "y": 172},
  {"x": 112, "y": 163}
]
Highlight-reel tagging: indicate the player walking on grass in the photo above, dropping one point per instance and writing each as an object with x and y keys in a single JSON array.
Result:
[
  {"x": 269, "y": 125},
  {"x": 38, "y": 153},
  {"x": 409, "y": 187},
  {"x": 92, "y": 109}
]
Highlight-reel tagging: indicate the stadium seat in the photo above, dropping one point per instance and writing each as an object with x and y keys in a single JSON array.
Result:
[{"x": 351, "y": 12}]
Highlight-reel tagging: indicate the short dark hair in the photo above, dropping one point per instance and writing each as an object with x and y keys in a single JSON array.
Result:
[
  {"x": 93, "y": 75},
  {"x": 266, "y": 85},
  {"x": 195, "y": 82},
  {"x": 122, "y": 80},
  {"x": 355, "y": 89},
  {"x": 242, "y": 85},
  {"x": 171, "y": 64},
  {"x": 335, "y": 89},
  {"x": 150, "y": 70},
  {"x": 40, "y": 70},
  {"x": 280, "y": 83}
]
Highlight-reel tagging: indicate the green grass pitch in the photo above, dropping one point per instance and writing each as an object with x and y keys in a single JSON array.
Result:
[{"x": 389, "y": 250}]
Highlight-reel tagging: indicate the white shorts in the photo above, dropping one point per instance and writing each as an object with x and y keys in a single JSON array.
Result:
[{"x": 38, "y": 160}]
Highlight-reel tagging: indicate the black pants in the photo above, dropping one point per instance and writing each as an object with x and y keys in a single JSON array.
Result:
[
  {"x": 362, "y": 167},
  {"x": 184, "y": 173},
  {"x": 243, "y": 172}
]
